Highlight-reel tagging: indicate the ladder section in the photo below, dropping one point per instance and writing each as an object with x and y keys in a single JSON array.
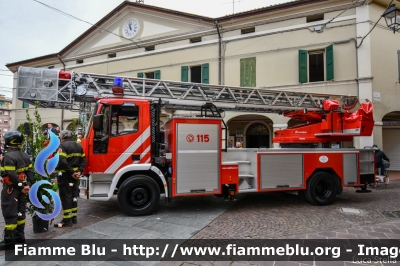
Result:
[{"x": 54, "y": 88}]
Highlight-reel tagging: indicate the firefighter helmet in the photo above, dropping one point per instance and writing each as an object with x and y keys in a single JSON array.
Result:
[
  {"x": 65, "y": 134},
  {"x": 13, "y": 138}
]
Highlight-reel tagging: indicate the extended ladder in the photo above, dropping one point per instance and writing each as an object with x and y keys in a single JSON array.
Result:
[{"x": 60, "y": 89}]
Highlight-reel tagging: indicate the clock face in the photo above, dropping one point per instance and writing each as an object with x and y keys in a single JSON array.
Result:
[{"x": 130, "y": 28}]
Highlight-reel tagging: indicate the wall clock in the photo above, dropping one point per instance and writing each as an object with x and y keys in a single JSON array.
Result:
[{"x": 131, "y": 28}]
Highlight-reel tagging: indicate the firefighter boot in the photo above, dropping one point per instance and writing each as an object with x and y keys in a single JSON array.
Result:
[
  {"x": 20, "y": 234},
  {"x": 8, "y": 241},
  {"x": 64, "y": 223}
]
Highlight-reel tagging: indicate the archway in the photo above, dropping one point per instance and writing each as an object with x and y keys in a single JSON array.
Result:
[
  {"x": 260, "y": 130},
  {"x": 390, "y": 138}
]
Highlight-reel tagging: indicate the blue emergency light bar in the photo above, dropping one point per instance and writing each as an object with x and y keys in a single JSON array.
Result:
[
  {"x": 118, "y": 86},
  {"x": 117, "y": 82}
]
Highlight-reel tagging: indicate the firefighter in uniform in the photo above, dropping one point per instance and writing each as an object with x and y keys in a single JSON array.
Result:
[
  {"x": 18, "y": 176},
  {"x": 71, "y": 163}
]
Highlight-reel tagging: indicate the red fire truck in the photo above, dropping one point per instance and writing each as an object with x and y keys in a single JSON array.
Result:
[{"x": 131, "y": 154}]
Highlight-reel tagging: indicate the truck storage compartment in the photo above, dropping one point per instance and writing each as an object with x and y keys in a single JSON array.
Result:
[
  {"x": 230, "y": 174},
  {"x": 275, "y": 173}
]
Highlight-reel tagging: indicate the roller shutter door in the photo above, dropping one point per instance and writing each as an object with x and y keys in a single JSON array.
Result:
[{"x": 391, "y": 147}]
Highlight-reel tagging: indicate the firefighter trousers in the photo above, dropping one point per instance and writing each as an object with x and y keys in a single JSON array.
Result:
[
  {"x": 68, "y": 187},
  {"x": 13, "y": 205}
]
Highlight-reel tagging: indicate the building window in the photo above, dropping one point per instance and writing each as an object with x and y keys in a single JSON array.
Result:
[
  {"x": 5, "y": 121},
  {"x": 248, "y": 30},
  {"x": 316, "y": 17},
  {"x": 1, "y": 112},
  {"x": 5, "y": 112},
  {"x": 0, "y": 129},
  {"x": 150, "y": 75},
  {"x": 25, "y": 105},
  {"x": 248, "y": 72},
  {"x": 196, "y": 39},
  {"x": 316, "y": 66},
  {"x": 79, "y": 61},
  {"x": 1, "y": 121},
  {"x": 112, "y": 55},
  {"x": 149, "y": 48},
  {"x": 5, "y": 130},
  {"x": 198, "y": 74}
]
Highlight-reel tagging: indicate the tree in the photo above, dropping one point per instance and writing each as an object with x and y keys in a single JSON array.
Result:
[{"x": 35, "y": 141}]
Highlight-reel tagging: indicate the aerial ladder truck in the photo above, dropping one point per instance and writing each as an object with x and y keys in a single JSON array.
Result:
[{"x": 131, "y": 155}]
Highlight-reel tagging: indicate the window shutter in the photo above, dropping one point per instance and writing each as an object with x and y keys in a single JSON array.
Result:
[
  {"x": 398, "y": 62},
  {"x": 205, "y": 73},
  {"x": 184, "y": 73},
  {"x": 25, "y": 105},
  {"x": 248, "y": 72},
  {"x": 329, "y": 62},
  {"x": 157, "y": 74},
  {"x": 303, "y": 66},
  {"x": 140, "y": 75}
]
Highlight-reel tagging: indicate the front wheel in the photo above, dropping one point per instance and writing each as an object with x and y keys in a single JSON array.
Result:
[
  {"x": 138, "y": 195},
  {"x": 321, "y": 189}
]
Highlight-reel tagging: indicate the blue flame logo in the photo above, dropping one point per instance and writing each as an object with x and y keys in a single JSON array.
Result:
[{"x": 50, "y": 167}]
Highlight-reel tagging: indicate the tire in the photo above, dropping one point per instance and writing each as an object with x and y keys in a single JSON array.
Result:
[
  {"x": 138, "y": 195},
  {"x": 321, "y": 189}
]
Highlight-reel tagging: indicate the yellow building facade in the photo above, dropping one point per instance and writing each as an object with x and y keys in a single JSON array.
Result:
[{"x": 309, "y": 46}]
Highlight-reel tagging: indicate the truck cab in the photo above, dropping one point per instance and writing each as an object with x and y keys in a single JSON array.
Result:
[{"x": 117, "y": 147}]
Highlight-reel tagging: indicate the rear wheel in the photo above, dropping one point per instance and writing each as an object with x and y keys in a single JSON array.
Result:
[
  {"x": 138, "y": 195},
  {"x": 321, "y": 189}
]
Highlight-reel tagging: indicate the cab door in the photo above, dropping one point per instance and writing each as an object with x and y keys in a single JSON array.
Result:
[{"x": 124, "y": 139}]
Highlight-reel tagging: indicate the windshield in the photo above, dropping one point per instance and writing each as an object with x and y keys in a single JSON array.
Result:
[{"x": 89, "y": 122}]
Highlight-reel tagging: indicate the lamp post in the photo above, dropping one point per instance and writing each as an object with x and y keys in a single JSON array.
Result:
[{"x": 392, "y": 17}]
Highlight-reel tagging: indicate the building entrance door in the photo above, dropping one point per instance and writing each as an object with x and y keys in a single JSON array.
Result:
[{"x": 257, "y": 136}]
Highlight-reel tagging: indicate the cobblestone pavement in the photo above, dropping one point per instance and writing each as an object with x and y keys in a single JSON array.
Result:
[
  {"x": 374, "y": 215},
  {"x": 283, "y": 215}
]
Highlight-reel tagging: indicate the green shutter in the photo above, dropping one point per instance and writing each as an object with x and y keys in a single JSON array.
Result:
[
  {"x": 205, "y": 73},
  {"x": 329, "y": 62},
  {"x": 303, "y": 66},
  {"x": 140, "y": 75},
  {"x": 184, "y": 73},
  {"x": 25, "y": 105},
  {"x": 248, "y": 72},
  {"x": 157, "y": 74}
]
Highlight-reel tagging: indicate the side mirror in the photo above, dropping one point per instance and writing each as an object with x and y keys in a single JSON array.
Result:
[{"x": 98, "y": 122}]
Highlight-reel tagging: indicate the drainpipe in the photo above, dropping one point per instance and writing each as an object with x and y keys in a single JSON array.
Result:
[
  {"x": 358, "y": 84},
  {"x": 219, "y": 53},
  {"x": 62, "y": 62},
  {"x": 62, "y": 107}
]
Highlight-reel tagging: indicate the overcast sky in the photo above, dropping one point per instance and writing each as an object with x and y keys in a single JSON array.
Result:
[{"x": 29, "y": 29}]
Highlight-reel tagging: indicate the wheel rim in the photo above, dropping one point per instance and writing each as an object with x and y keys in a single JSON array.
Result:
[
  {"x": 139, "y": 197},
  {"x": 323, "y": 190}
]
